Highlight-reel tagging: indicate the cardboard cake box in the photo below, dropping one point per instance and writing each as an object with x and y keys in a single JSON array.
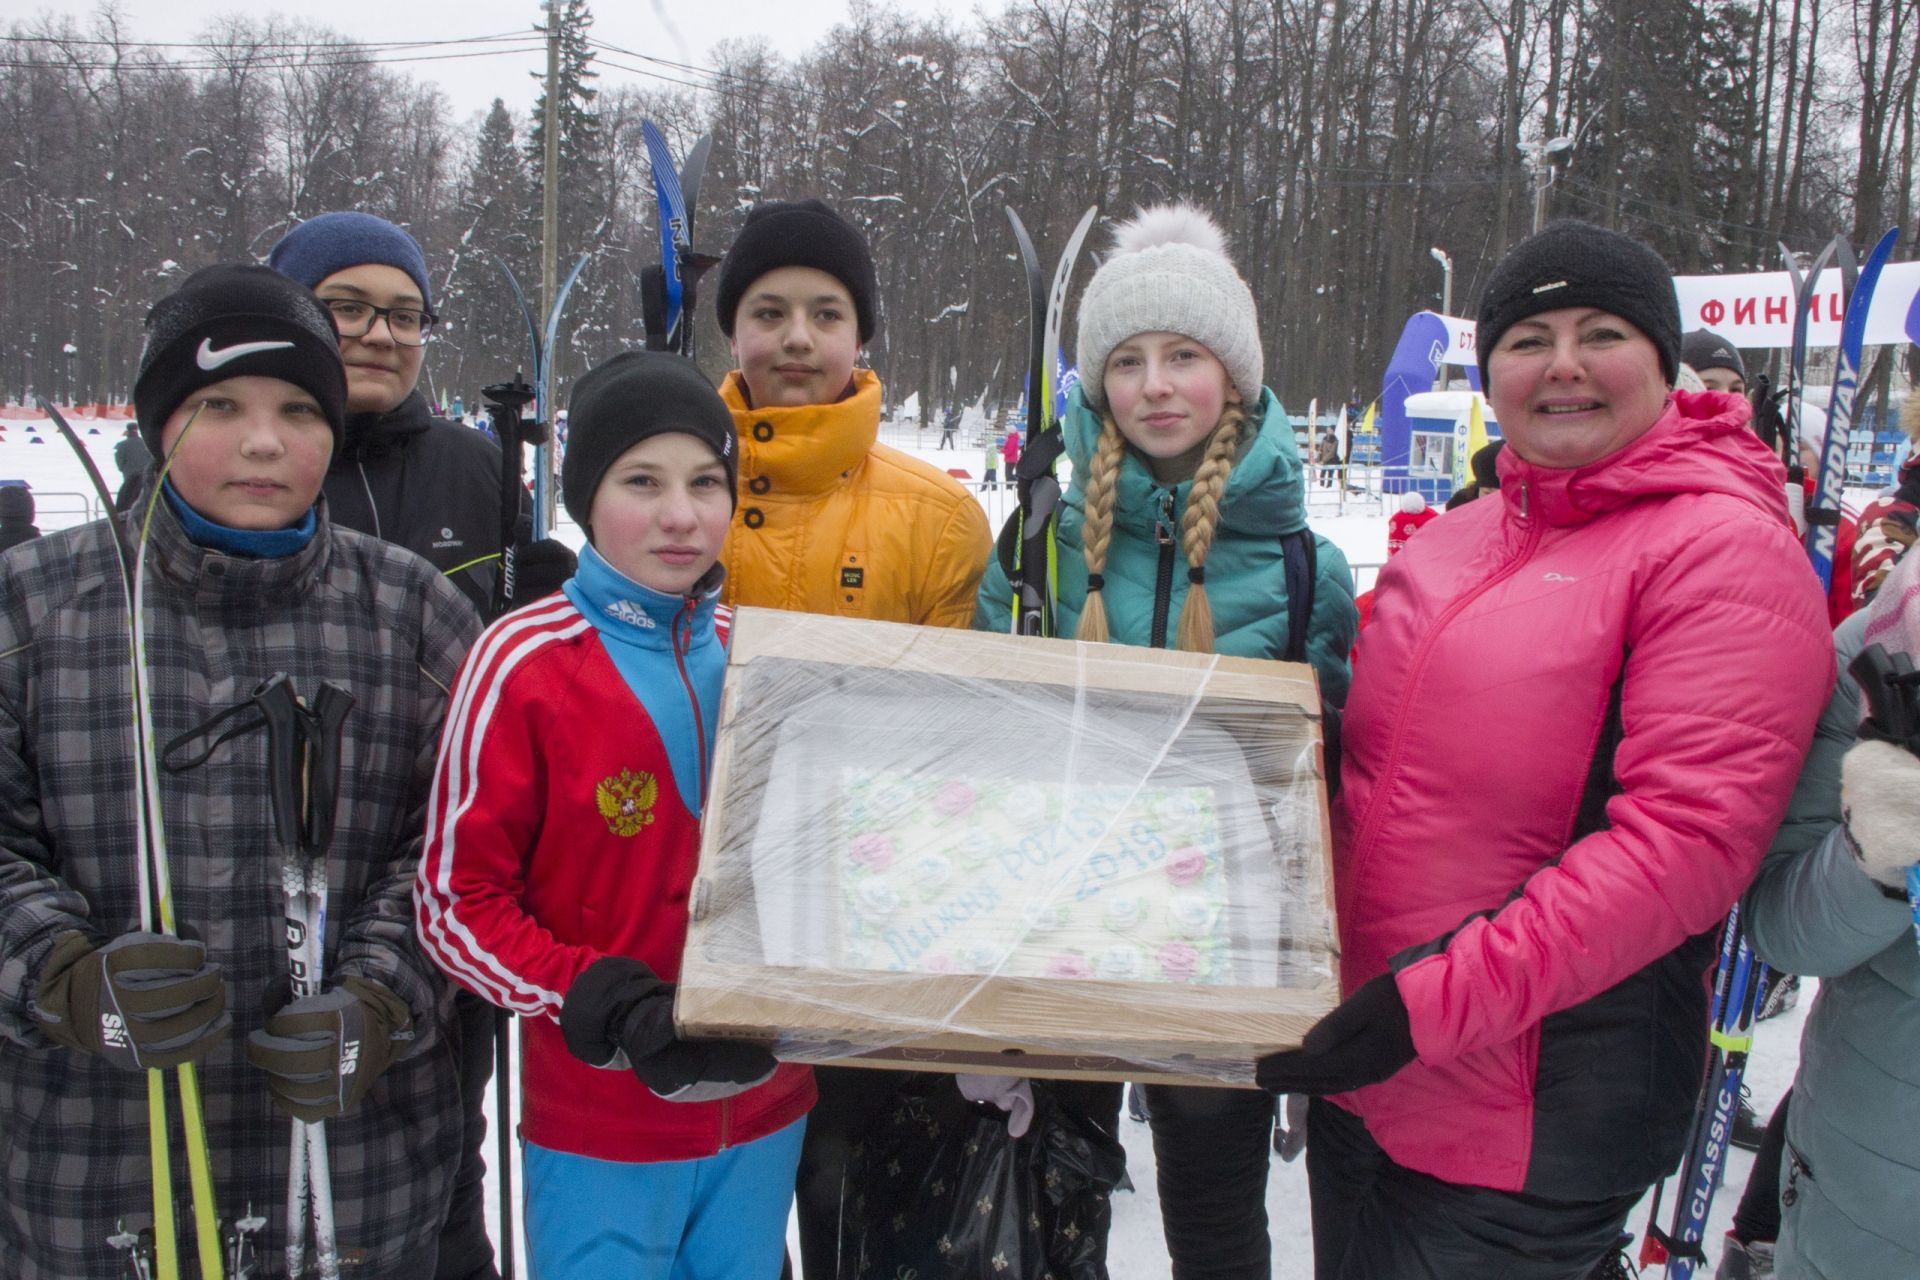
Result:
[{"x": 929, "y": 848}]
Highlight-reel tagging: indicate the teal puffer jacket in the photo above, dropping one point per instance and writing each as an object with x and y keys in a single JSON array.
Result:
[
  {"x": 1850, "y": 1162},
  {"x": 1146, "y": 579}
]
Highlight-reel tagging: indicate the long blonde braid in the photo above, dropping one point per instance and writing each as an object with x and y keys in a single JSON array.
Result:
[
  {"x": 1096, "y": 532},
  {"x": 1197, "y": 526}
]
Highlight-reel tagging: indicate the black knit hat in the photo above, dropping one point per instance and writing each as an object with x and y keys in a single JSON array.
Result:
[
  {"x": 798, "y": 233},
  {"x": 1703, "y": 349},
  {"x": 1576, "y": 264},
  {"x": 230, "y": 321},
  {"x": 625, "y": 400}
]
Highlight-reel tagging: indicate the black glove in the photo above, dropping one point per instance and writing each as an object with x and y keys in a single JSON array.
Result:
[
  {"x": 618, "y": 1014},
  {"x": 322, "y": 1053},
  {"x": 540, "y": 569},
  {"x": 1364, "y": 1041},
  {"x": 143, "y": 1000}
]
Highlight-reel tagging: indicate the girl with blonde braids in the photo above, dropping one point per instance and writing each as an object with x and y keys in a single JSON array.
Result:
[{"x": 1186, "y": 483}]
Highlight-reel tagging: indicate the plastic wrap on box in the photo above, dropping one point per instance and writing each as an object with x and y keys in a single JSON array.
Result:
[{"x": 966, "y": 851}]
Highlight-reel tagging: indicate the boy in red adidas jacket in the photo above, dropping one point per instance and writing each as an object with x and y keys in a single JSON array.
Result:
[{"x": 561, "y": 847}]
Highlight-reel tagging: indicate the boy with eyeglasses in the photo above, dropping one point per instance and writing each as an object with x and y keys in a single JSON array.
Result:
[{"x": 433, "y": 487}]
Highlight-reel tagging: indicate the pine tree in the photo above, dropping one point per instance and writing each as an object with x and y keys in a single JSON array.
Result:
[{"x": 485, "y": 335}]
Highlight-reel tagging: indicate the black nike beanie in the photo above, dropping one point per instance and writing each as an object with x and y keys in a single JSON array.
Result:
[{"x": 230, "y": 321}]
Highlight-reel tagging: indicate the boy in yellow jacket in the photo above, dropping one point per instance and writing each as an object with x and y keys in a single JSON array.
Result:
[{"x": 830, "y": 521}]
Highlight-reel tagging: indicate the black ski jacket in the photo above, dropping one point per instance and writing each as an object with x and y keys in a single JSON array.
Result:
[{"x": 426, "y": 484}]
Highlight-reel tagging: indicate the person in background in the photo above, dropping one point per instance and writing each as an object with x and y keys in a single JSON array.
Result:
[
  {"x": 16, "y": 516},
  {"x": 1715, "y": 360},
  {"x": 1887, "y": 525},
  {"x": 1485, "y": 466},
  {"x": 131, "y": 457}
]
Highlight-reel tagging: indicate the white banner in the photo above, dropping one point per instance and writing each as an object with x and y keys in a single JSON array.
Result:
[{"x": 1756, "y": 311}]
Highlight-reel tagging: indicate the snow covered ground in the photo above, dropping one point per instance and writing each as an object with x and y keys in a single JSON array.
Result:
[{"x": 33, "y": 451}]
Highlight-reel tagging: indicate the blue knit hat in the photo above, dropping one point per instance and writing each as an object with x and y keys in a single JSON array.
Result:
[{"x": 333, "y": 242}]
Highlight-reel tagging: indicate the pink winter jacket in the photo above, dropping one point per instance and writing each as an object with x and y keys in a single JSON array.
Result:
[{"x": 1574, "y": 725}]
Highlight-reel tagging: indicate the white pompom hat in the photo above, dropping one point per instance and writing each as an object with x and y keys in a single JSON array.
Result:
[{"x": 1169, "y": 272}]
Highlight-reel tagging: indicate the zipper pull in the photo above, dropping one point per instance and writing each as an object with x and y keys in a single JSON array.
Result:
[
  {"x": 1163, "y": 526},
  {"x": 1523, "y": 499}
]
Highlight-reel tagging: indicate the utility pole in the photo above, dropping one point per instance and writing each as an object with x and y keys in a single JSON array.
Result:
[{"x": 549, "y": 262}]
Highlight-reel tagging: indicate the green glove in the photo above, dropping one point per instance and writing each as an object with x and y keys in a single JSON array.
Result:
[
  {"x": 144, "y": 1000},
  {"x": 322, "y": 1053}
]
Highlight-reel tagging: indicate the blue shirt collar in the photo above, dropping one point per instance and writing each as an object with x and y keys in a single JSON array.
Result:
[
  {"x": 622, "y": 608},
  {"x": 254, "y": 544}
]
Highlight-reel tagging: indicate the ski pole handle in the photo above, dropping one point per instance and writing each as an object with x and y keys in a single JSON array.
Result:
[
  {"x": 280, "y": 709},
  {"x": 325, "y": 724}
]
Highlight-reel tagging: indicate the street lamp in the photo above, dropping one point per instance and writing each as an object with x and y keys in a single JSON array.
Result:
[
  {"x": 1446, "y": 280},
  {"x": 1446, "y": 307},
  {"x": 1542, "y": 154},
  {"x": 70, "y": 351}
]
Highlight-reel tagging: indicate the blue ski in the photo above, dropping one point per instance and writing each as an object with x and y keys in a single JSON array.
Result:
[{"x": 1823, "y": 518}]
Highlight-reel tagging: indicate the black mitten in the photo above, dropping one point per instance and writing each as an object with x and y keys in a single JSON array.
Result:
[
  {"x": 1364, "y": 1041},
  {"x": 619, "y": 1014}
]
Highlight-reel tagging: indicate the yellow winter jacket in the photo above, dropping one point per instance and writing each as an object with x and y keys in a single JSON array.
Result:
[{"x": 832, "y": 521}]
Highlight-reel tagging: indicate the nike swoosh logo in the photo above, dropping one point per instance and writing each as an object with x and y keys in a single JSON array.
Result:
[{"x": 209, "y": 359}]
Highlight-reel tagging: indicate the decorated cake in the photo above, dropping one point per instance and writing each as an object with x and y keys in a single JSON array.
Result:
[{"x": 956, "y": 875}]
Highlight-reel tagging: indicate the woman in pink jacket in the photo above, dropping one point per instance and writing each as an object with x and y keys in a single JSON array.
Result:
[{"x": 1574, "y": 725}]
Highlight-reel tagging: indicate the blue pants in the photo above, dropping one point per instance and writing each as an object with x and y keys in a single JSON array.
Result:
[{"x": 723, "y": 1217}]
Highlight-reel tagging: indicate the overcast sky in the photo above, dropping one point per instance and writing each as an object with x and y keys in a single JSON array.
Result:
[{"x": 681, "y": 31}]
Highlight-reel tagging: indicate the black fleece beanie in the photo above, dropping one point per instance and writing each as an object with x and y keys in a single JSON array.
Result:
[
  {"x": 798, "y": 233},
  {"x": 1576, "y": 264},
  {"x": 233, "y": 320},
  {"x": 625, "y": 400}
]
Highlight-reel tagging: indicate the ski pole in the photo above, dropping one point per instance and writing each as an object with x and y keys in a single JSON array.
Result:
[{"x": 302, "y": 780}]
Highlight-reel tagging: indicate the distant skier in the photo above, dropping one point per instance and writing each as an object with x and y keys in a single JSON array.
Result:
[
  {"x": 949, "y": 423},
  {"x": 991, "y": 480}
]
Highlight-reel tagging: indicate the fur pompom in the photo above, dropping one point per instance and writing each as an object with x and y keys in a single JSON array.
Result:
[{"x": 1169, "y": 224}]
